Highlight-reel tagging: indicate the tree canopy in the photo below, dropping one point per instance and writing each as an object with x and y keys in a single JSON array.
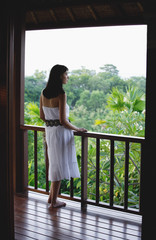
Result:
[{"x": 91, "y": 96}]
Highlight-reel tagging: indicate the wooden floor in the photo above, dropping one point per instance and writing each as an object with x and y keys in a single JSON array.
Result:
[{"x": 34, "y": 220}]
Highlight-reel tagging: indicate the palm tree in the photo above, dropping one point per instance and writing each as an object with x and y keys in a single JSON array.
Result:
[
  {"x": 135, "y": 99},
  {"x": 132, "y": 100},
  {"x": 126, "y": 104},
  {"x": 116, "y": 100}
]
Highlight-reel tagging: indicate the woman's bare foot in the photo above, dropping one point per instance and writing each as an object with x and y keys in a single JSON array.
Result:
[{"x": 58, "y": 204}]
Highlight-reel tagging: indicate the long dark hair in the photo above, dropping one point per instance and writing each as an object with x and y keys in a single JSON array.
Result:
[{"x": 54, "y": 84}]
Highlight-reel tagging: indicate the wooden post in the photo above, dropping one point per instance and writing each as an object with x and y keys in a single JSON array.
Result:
[
  {"x": 84, "y": 164},
  {"x": 21, "y": 178}
]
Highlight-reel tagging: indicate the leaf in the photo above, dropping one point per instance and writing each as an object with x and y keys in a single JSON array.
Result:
[
  {"x": 79, "y": 160},
  {"x": 106, "y": 165},
  {"x": 98, "y": 121},
  {"x": 78, "y": 184},
  {"x": 139, "y": 105}
]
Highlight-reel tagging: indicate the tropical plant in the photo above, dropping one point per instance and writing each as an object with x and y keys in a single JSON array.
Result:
[
  {"x": 126, "y": 117},
  {"x": 32, "y": 114},
  {"x": 133, "y": 99}
]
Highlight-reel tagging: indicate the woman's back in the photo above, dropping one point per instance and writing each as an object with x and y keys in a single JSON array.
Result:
[
  {"x": 51, "y": 102},
  {"x": 51, "y": 107}
]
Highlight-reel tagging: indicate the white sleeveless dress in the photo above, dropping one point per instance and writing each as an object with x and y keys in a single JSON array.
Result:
[{"x": 60, "y": 147}]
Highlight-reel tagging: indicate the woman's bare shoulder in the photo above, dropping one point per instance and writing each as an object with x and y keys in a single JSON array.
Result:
[{"x": 62, "y": 96}]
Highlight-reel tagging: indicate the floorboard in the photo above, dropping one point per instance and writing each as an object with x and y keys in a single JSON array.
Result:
[{"x": 34, "y": 220}]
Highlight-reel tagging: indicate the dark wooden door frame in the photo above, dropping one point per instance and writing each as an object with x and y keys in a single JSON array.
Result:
[
  {"x": 149, "y": 166},
  {"x": 13, "y": 170},
  {"x": 6, "y": 124},
  {"x": 21, "y": 163}
]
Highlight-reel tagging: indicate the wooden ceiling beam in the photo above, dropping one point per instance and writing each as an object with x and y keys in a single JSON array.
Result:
[
  {"x": 88, "y": 23},
  {"x": 33, "y": 17},
  {"x": 70, "y": 14},
  {"x": 53, "y": 15},
  {"x": 118, "y": 9},
  {"x": 92, "y": 12},
  {"x": 118, "y": 14},
  {"x": 39, "y": 5},
  {"x": 140, "y": 7}
]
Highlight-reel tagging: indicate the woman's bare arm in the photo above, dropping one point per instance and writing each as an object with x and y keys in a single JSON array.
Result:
[
  {"x": 62, "y": 113},
  {"x": 42, "y": 116}
]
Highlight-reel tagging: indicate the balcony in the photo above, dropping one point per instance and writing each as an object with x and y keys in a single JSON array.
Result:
[
  {"x": 102, "y": 220},
  {"x": 14, "y": 149}
]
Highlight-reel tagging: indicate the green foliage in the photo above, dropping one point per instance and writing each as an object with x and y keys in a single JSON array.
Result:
[
  {"x": 116, "y": 100},
  {"x": 33, "y": 86},
  {"x": 32, "y": 114},
  {"x": 101, "y": 102},
  {"x": 132, "y": 100}
]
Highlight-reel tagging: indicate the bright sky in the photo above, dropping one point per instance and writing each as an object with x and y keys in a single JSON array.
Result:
[{"x": 123, "y": 46}]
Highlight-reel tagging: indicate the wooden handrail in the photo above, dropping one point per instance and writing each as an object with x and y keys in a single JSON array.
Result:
[{"x": 98, "y": 135}]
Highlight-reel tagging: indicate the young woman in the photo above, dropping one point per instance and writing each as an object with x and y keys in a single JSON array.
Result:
[{"x": 54, "y": 111}]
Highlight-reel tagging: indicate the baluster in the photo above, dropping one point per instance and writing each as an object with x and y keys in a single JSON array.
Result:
[
  {"x": 47, "y": 167},
  {"x": 111, "y": 172},
  {"x": 97, "y": 169},
  {"x": 71, "y": 187},
  {"x": 141, "y": 176},
  {"x": 35, "y": 157},
  {"x": 84, "y": 163},
  {"x": 126, "y": 175}
]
